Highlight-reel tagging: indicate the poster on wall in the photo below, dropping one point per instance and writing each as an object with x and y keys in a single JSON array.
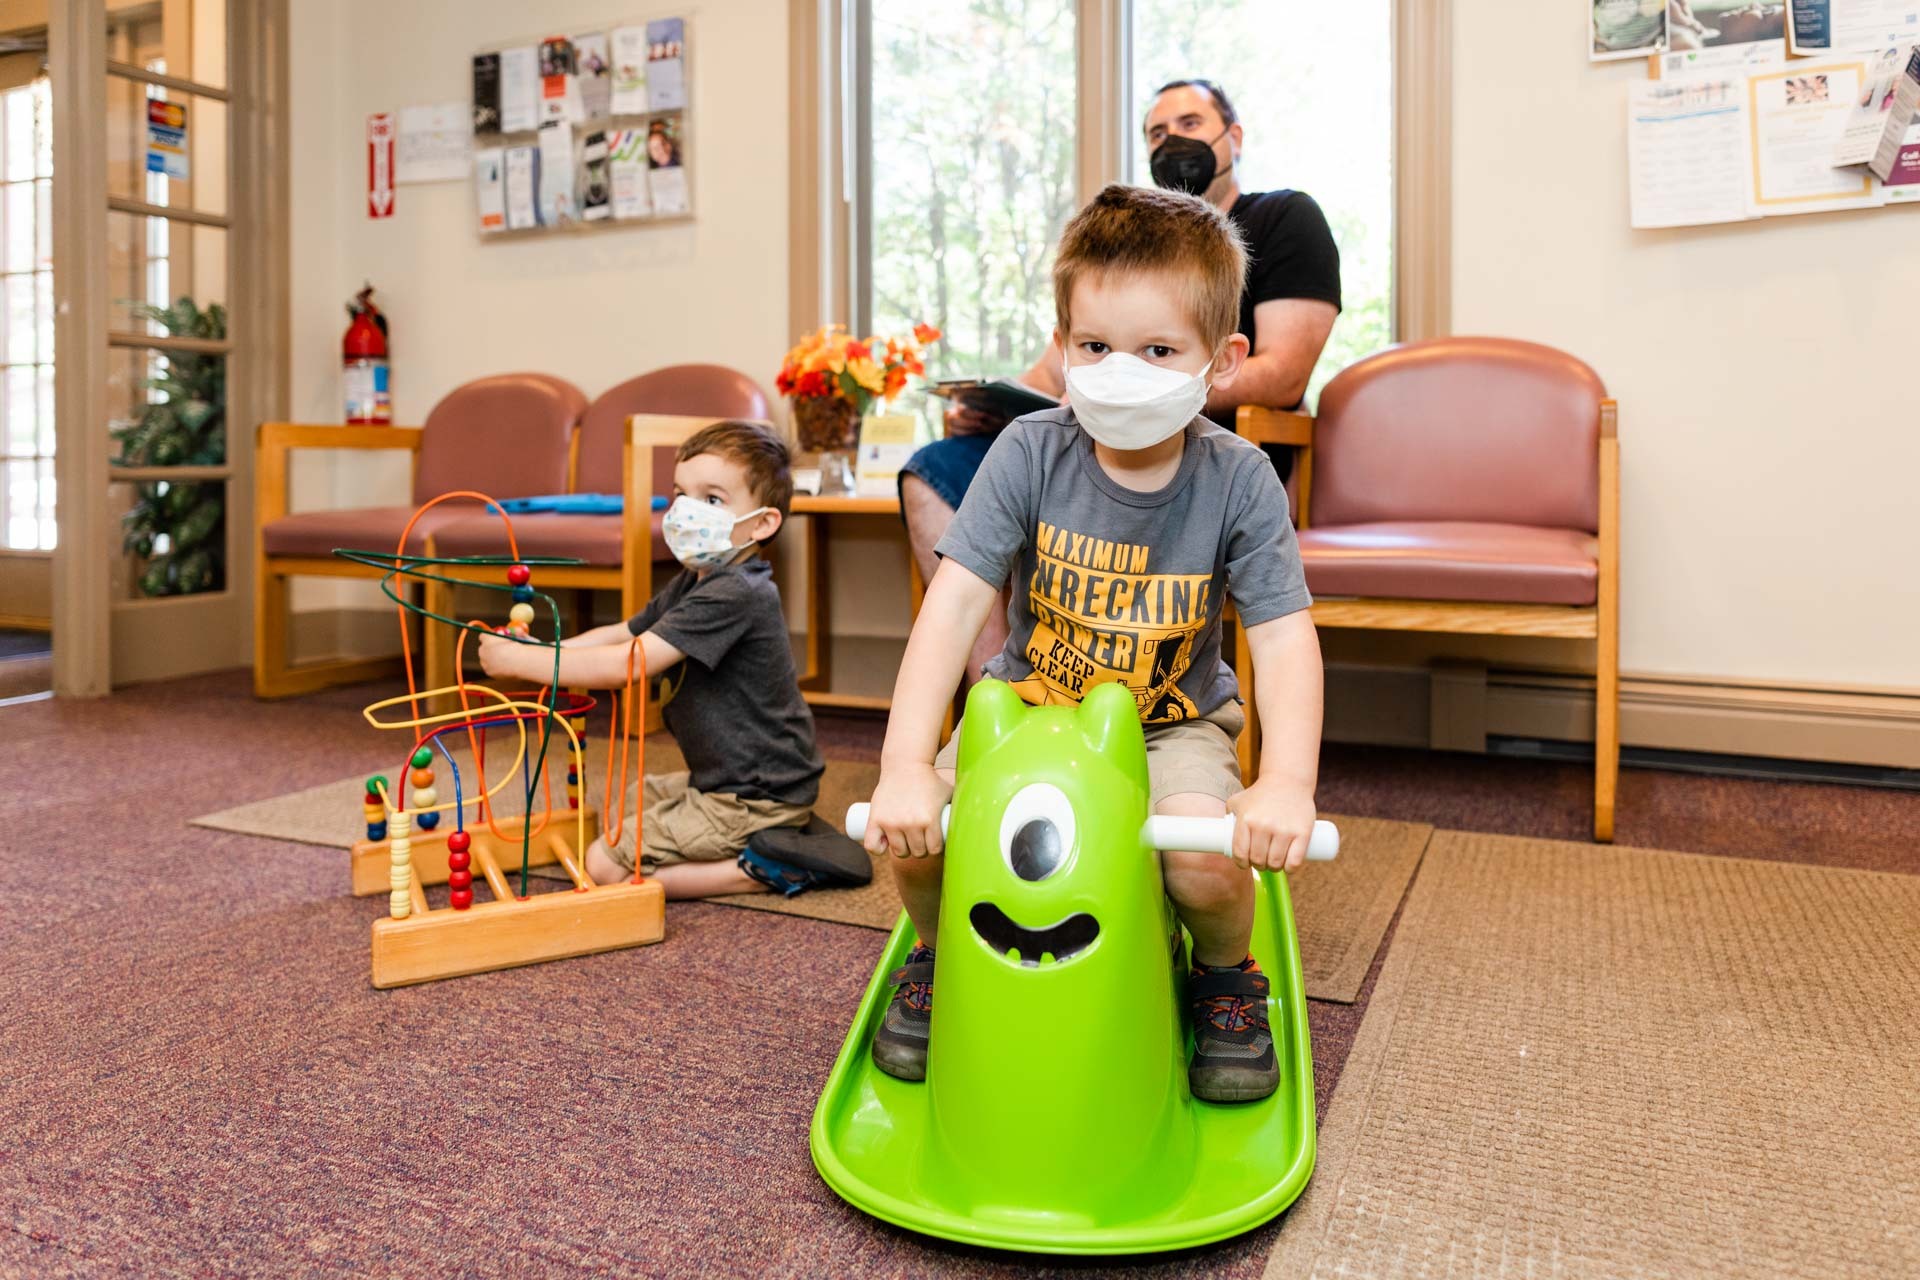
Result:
[
  {"x": 666, "y": 65},
  {"x": 666, "y": 165},
  {"x": 1798, "y": 117},
  {"x": 1822, "y": 26},
  {"x": 167, "y": 138},
  {"x": 629, "y": 71},
  {"x": 1688, "y": 162},
  {"x": 434, "y": 144},
  {"x": 1714, "y": 35},
  {"x": 1625, "y": 28}
]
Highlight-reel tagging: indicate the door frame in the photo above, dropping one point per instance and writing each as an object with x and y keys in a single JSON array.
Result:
[{"x": 257, "y": 373}]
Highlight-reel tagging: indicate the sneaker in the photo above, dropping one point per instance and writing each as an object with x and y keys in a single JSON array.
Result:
[
  {"x": 1233, "y": 1057},
  {"x": 791, "y": 860},
  {"x": 900, "y": 1044}
]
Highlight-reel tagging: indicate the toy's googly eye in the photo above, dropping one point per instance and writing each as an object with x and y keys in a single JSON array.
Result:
[{"x": 1036, "y": 831}]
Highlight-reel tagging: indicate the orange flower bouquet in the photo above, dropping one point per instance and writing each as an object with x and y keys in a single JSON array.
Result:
[{"x": 836, "y": 379}]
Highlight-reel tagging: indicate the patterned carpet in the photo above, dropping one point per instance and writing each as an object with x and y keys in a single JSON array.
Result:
[{"x": 201, "y": 1081}]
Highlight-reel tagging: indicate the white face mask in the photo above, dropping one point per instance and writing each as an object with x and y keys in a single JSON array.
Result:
[
  {"x": 1126, "y": 403},
  {"x": 700, "y": 534}
]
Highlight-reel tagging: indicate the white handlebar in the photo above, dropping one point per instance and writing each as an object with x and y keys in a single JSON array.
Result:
[{"x": 1202, "y": 835}]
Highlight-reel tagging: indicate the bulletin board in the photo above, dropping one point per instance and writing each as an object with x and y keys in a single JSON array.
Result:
[{"x": 582, "y": 132}]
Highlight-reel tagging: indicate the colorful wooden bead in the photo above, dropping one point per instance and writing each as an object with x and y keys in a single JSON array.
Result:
[
  {"x": 459, "y": 842},
  {"x": 519, "y": 575},
  {"x": 459, "y": 879},
  {"x": 425, "y": 798},
  {"x": 522, "y": 614},
  {"x": 376, "y": 831},
  {"x": 423, "y": 758},
  {"x": 427, "y": 821},
  {"x": 459, "y": 860},
  {"x": 522, "y": 595},
  {"x": 400, "y": 867},
  {"x": 460, "y": 899},
  {"x": 422, "y": 777},
  {"x": 376, "y": 784}
]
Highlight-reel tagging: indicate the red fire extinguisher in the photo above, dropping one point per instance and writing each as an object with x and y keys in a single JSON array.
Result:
[{"x": 363, "y": 357}]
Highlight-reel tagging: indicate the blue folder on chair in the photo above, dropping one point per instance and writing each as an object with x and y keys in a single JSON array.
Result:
[{"x": 574, "y": 504}]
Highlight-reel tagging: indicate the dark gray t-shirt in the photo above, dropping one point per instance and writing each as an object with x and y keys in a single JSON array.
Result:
[
  {"x": 1111, "y": 584},
  {"x": 734, "y": 704}
]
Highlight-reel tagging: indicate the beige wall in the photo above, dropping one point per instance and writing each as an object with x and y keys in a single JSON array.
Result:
[
  {"x": 1769, "y": 459},
  {"x": 1767, "y": 470},
  {"x": 595, "y": 308}
]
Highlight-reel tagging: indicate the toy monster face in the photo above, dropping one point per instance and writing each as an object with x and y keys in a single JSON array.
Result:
[{"x": 1046, "y": 851}]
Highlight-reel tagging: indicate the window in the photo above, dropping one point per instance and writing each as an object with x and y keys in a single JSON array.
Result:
[
  {"x": 967, "y": 175},
  {"x": 965, "y": 151},
  {"x": 26, "y": 326},
  {"x": 1313, "y": 87}
]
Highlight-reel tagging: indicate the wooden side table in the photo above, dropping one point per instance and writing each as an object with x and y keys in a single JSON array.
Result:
[{"x": 816, "y": 672}]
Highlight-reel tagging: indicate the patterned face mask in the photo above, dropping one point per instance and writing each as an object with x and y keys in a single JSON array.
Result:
[{"x": 700, "y": 534}]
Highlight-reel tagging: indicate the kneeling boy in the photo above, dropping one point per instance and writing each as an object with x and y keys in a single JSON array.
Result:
[
  {"x": 1123, "y": 522},
  {"x": 716, "y": 640}
]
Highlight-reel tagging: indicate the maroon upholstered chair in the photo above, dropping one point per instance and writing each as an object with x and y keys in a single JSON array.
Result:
[
  {"x": 1465, "y": 485},
  {"x": 506, "y": 436},
  {"x": 653, "y": 413}
]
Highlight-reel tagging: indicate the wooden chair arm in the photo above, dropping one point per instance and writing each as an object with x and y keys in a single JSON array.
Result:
[
  {"x": 276, "y": 440},
  {"x": 1273, "y": 426}
]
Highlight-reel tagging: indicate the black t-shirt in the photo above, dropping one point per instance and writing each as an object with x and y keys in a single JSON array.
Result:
[
  {"x": 1290, "y": 251},
  {"x": 734, "y": 704}
]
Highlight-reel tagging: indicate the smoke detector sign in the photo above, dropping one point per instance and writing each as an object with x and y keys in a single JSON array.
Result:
[{"x": 167, "y": 138}]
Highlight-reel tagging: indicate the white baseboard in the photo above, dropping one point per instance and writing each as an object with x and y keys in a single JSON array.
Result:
[{"x": 1392, "y": 706}]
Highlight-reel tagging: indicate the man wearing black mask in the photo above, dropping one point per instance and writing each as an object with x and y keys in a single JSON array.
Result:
[{"x": 1287, "y": 310}]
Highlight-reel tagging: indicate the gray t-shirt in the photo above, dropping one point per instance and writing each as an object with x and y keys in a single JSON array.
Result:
[
  {"x": 1111, "y": 584},
  {"x": 734, "y": 704}
]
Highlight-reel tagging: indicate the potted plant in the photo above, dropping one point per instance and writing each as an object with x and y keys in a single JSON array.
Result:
[
  {"x": 835, "y": 379},
  {"x": 178, "y": 529}
]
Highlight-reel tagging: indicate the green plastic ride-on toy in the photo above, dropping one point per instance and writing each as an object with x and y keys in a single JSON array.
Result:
[{"x": 1055, "y": 1115}]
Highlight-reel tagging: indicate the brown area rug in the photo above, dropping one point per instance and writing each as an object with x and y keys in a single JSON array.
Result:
[
  {"x": 1341, "y": 908},
  {"x": 1585, "y": 1061}
]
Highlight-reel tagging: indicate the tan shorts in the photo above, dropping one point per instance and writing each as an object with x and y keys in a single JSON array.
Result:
[
  {"x": 678, "y": 824},
  {"x": 1185, "y": 757}
]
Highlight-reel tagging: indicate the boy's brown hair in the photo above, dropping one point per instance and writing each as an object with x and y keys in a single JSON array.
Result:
[
  {"x": 757, "y": 450},
  {"x": 1128, "y": 230}
]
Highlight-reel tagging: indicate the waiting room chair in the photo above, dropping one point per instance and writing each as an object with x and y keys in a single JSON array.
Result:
[
  {"x": 508, "y": 436},
  {"x": 1467, "y": 486},
  {"x": 642, "y": 420}
]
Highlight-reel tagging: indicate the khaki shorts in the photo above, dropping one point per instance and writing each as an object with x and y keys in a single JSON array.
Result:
[
  {"x": 1188, "y": 756},
  {"x": 678, "y": 824}
]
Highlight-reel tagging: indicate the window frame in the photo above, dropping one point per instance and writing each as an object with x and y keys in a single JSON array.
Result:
[{"x": 830, "y": 156}]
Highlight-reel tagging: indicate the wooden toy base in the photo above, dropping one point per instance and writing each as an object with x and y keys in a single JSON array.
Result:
[
  {"x": 428, "y": 944},
  {"x": 370, "y": 857}
]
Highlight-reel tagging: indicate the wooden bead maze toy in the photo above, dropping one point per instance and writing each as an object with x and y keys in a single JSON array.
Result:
[{"x": 405, "y": 852}]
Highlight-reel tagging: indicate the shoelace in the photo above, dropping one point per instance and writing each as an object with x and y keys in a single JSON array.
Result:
[
  {"x": 919, "y": 994},
  {"x": 1229, "y": 1013}
]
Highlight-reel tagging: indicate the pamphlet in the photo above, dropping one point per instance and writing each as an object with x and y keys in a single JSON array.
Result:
[
  {"x": 556, "y": 173},
  {"x": 519, "y": 89},
  {"x": 486, "y": 93},
  {"x": 666, "y": 160},
  {"x": 666, "y": 66},
  {"x": 997, "y": 395},
  {"x": 1688, "y": 161},
  {"x": 596, "y": 86},
  {"x": 629, "y": 71},
  {"x": 596, "y": 196},
  {"x": 1700, "y": 39},
  {"x": 489, "y": 188},
  {"x": 1896, "y": 161},
  {"x": 887, "y": 440},
  {"x": 627, "y": 161},
  {"x": 522, "y": 174},
  {"x": 1868, "y": 119}
]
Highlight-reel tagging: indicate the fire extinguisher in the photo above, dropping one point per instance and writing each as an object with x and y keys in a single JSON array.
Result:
[{"x": 363, "y": 359}]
